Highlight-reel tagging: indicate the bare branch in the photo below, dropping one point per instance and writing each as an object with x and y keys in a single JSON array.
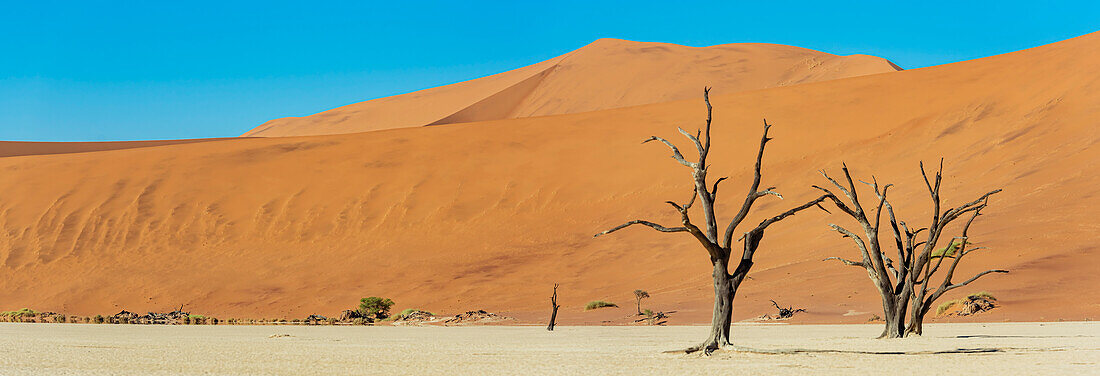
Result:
[
  {"x": 753, "y": 188},
  {"x": 769, "y": 191},
  {"x": 846, "y": 262},
  {"x": 714, "y": 191},
  {"x": 837, "y": 184},
  {"x": 675, "y": 152},
  {"x": 683, "y": 209},
  {"x": 767, "y": 222},
  {"x": 890, "y": 265},
  {"x": 646, "y": 223},
  {"x": 694, "y": 139},
  {"x": 974, "y": 278},
  {"x": 855, "y": 238},
  {"x": 974, "y": 249},
  {"x": 836, "y": 200},
  {"x": 970, "y": 206},
  {"x": 706, "y": 144},
  {"x": 902, "y": 244}
]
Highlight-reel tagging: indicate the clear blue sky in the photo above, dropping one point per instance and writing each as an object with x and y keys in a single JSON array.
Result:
[{"x": 74, "y": 71}]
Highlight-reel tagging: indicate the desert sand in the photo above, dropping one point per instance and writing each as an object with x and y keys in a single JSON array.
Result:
[
  {"x": 608, "y": 73},
  {"x": 490, "y": 214},
  {"x": 1000, "y": 349}
]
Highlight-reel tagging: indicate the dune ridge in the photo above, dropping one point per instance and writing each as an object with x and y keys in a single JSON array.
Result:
[
  {"x": 608, "y": 73},
  {"x": 18, "y": 148},
  {"x": 489, "y": 215}
]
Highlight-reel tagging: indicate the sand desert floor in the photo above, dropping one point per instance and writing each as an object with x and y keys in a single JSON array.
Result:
[{"x": 998, "y": 348}]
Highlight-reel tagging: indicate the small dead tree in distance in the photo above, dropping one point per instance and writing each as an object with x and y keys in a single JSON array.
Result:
[
  {"x": 719, "y": 247},
  {"x": 786, "y": 313},
  {"x": 638, "y": 296},
  {"x": 554, "y": 305},
  {"x": 907, "y": 285}
]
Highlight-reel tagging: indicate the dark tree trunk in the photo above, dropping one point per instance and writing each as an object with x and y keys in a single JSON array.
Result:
[
  {"x": 723, "y": 308},
  {"x": 895, "y": 320},
  {"x": 895, "y": 325},
  {"x": 916, "y": 320},
  {"x": 555, "y": 306}
]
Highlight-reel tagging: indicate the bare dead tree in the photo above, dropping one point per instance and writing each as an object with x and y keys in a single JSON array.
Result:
[
  {"x": 906, "y": 286},
  {"x": 785, "y": 313},
  {"x": 554, "y": 305},
  {"x": 719, "y": 246},
  {"x": 638, "y": 296}
]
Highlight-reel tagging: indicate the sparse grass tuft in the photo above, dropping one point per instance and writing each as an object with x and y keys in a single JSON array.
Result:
[
  {"x": 983, "y": 294},
  {"x": 596, "y": 304},
  {"x": 948, "y": 250},
  {"x": 946, "y": 306}
]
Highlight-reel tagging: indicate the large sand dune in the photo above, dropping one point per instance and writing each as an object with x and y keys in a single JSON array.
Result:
[
  {"x": 491, "y": 214},
  {"x": 608, "y": 73}
]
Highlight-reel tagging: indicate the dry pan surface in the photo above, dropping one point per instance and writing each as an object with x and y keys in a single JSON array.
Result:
[{"x": 1012, "y": 348}]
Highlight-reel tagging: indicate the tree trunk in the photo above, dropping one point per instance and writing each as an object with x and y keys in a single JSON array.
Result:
[
  {"x": 723, "y": 308},
  {"x": 895, "y": 325},
  {"x": 554, "y": 304},
  {"x": 553, "y": 316},
  {"x": 895, "y": 321},
  {"x": 916, "y": 320},
  {"x": 639, "y": 306}
]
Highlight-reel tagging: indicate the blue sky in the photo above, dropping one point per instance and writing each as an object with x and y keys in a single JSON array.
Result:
[{"x": 72, "y": 71}]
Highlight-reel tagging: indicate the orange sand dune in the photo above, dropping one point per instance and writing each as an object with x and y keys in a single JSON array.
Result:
[
  {"x": 17, "y": 148},
  {"x": 608, "y": 73},
  {"x": 489, "y": 215}
]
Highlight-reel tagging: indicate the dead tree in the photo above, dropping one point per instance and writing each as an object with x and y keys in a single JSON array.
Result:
[
  {"x": 638, "y": 296},
  {"x": 554, "y": 305},
  {"x": 905, "y": 287},
  {"x": 786, "y": 313},
  {"x": 719, "y": 245}
]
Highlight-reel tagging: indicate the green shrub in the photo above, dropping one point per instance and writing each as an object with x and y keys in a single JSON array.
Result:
[
  {"x": 25, "y": 312},
  {"x": 648, "y": 312},
  {"x": 98, "y": 319},
  {"x": 375, "y": 307},
  {"x": 596, "y": 304}
]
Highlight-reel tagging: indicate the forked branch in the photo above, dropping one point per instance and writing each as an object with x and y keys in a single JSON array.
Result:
[{"x": 754, "y": 190}]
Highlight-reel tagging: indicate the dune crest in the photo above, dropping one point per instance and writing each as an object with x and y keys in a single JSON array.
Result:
[{"x": 608, "y": 73}]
